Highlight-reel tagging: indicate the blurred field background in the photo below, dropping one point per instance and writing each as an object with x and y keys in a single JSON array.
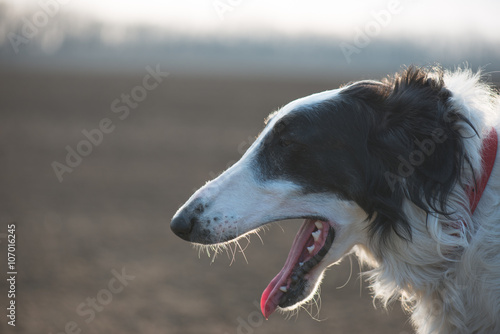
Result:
[{"x": 228, "y": 68}]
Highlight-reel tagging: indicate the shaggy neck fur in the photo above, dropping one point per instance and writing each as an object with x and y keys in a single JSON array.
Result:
[{"x": 446, "y": 276}]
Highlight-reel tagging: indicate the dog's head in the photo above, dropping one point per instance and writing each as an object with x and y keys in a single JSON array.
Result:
[{"x": 342, "y": 160}]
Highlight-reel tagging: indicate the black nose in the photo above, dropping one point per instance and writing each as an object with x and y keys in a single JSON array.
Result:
[{"x": 182, "y": 226}]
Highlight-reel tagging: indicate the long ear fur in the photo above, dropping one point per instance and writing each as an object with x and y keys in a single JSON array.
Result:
[{"x": 415, "y": 147}]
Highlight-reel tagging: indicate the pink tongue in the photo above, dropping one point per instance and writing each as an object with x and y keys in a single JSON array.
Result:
[{"x": 272, "y": 294}]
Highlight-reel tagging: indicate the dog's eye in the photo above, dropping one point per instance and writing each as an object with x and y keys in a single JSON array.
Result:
[
  {"x": 279, "y": 131},
  {"x": 279, "y": 128},
  {"x": 285, "y": 142}
]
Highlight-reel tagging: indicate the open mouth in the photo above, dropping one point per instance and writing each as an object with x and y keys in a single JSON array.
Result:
[{"x": 310, "y": 246}]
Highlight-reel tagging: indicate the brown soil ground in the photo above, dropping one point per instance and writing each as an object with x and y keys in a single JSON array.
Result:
[{"x": 112, "y": 212}]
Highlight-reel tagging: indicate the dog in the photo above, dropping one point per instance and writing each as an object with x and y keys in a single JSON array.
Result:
[{"x": 400, "y": 172}]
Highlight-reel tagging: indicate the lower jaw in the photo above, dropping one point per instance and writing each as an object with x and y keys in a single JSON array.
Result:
[
  {"x": 297, "y": 280},
  {"x": 310, "y": 286}
]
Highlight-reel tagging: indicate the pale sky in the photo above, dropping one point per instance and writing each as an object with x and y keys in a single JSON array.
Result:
[{"x": 408, "y": 18}]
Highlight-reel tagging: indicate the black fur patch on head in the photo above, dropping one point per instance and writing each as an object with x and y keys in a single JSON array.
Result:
[
  {"x": 314, "y": 147},
  {"x": 416, "y": 151},
  {"x": 376, "y": 143}
]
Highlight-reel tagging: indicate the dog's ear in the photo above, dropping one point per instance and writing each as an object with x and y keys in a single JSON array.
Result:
[{"x": 416, "y": 150}]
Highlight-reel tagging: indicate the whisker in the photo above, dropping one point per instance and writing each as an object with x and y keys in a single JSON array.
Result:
[
  {"x": 242, "y": 251},
  {"x": 350, "y": 274},
  {"x": 281, "y": 227},
  {"x": 233, "y": 251},
  {"x": 227, "y": 253},
  {"x": 258, "y": 235}
]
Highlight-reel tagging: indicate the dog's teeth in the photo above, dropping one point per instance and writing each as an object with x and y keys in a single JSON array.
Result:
[
  {"x": 301, "y": 264},
  {"x": 310, "y": 249},
  {"x": 283, "y": 288},
  {"x": 316, "y": 235},
  {"x": 319, "y": 225}
]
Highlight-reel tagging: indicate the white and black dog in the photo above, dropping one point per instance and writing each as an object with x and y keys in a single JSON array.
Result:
[{"x": 391, "y": 171}]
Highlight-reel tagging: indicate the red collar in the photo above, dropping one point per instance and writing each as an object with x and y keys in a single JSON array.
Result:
[{"x": 488, "y": 155}]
